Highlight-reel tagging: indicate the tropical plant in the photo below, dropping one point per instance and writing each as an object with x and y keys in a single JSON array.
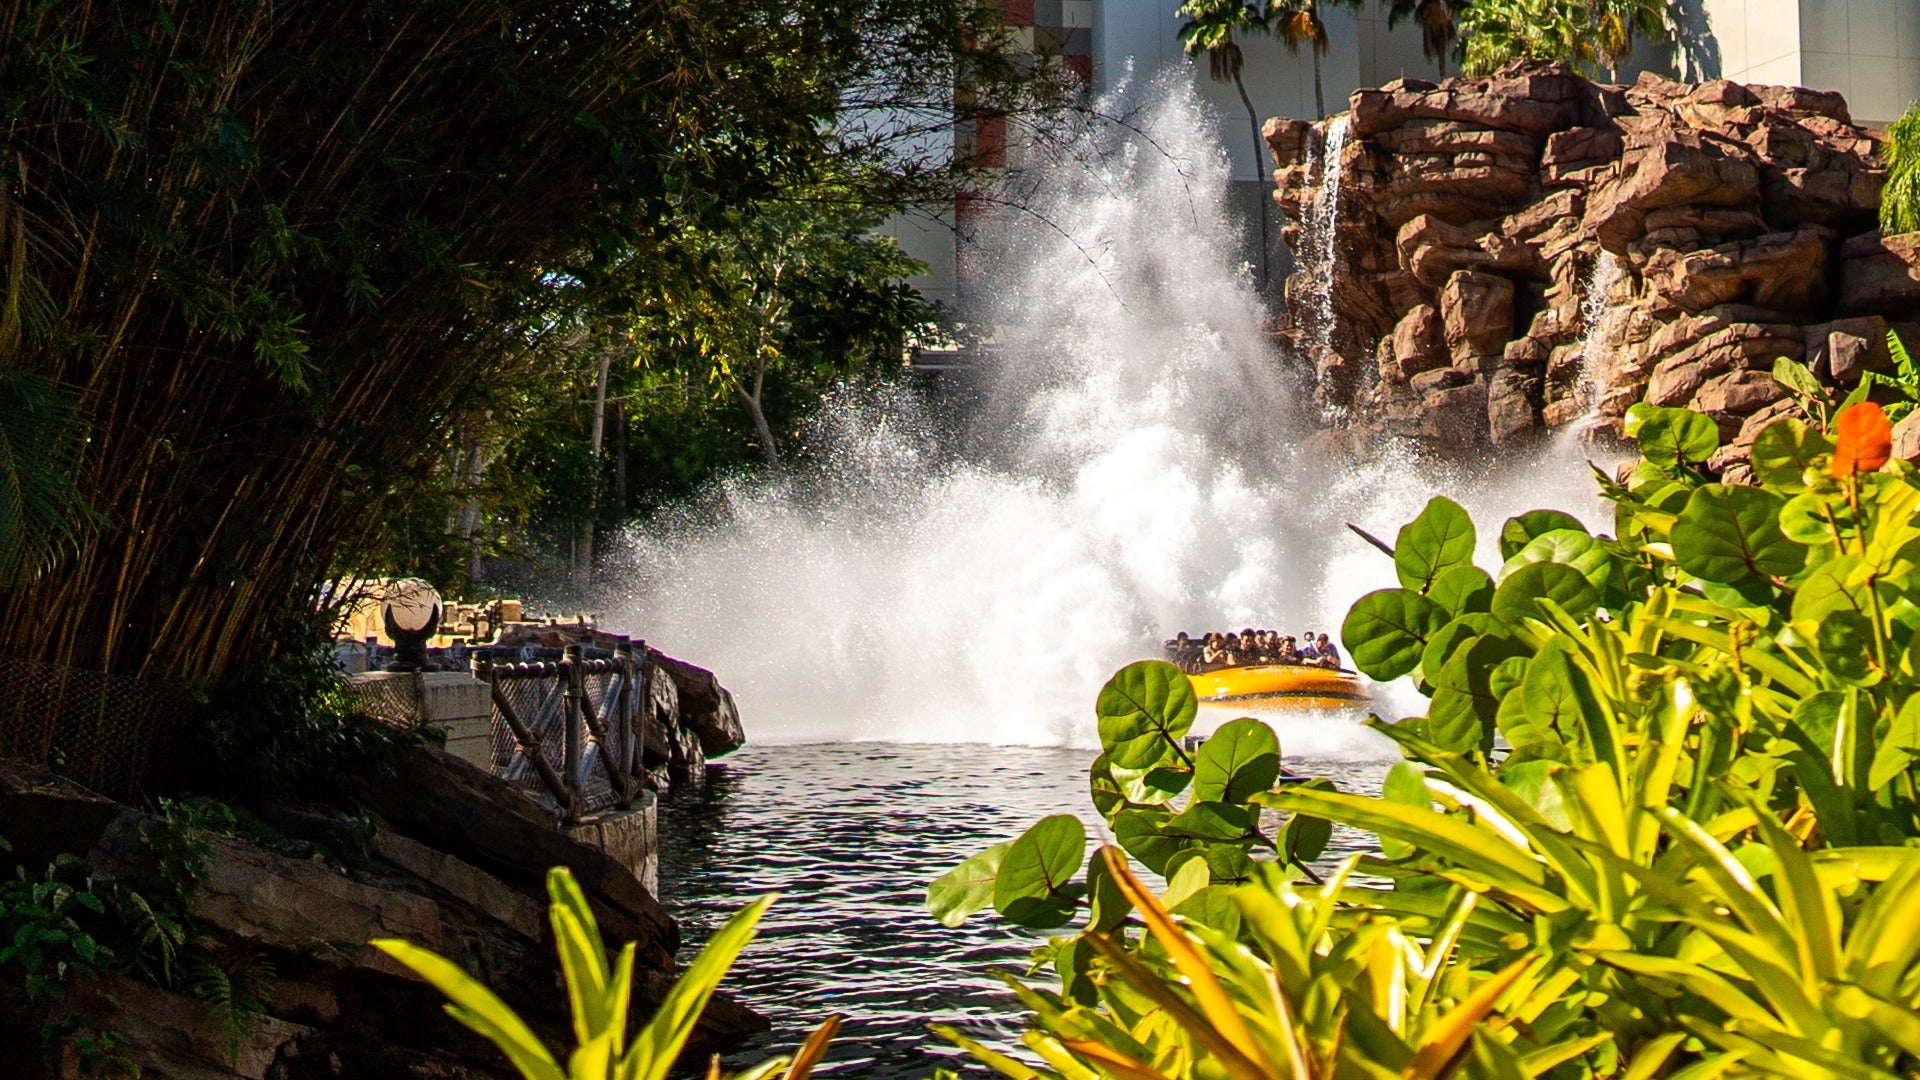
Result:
[
  {"x": 1590, "y": 34},
  {"x": 1671, "y": 774},
  {"x": 1439, "y": 22},
  {"x": 1900, "y": 197},
  {"x": 600, "y": 994},
  {"x": 1213, "y": 27}
]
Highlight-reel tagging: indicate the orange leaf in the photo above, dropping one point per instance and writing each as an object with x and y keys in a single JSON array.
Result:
[{"x": 1865, "y": 439}]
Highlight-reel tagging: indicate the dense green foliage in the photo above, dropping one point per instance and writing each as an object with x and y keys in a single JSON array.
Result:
[
  {"x": 600, "y": 992},
  {"x": 290, "y": 274},
  {"x": 1659, "y": 819},
  {"x": 1593, "y": 35},
  {"x": 1900, "y": 198}
]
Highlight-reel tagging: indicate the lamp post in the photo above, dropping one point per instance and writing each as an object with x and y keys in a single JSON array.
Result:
[{"x": 411, "y": 611}]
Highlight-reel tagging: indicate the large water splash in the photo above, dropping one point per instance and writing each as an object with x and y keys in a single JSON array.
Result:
[{"x": 1145, "y": 464}]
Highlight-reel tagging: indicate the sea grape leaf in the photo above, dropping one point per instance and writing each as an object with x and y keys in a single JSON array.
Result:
[
  {"x": 1845, "y": 640},
  {"x": 1138, "y": 832},
  {"x": 1839, "y": 585},
  {"x": 1727, "y": 533},
  {"x": 1227, "y": 862},
  {"x": 1569, "y": 548},
  {"x": 1143, "y": 712},
  {"x": 1386, "y": 631},
  {"x": 1464, "y": 705},
  {"x": 1035, "y": 885},
  {"x": 1449, "y": 637},
  {"x": 1212, "y": 907},
  {"x": 1304, "y": 838},
  {"x": 1533, "y": 782},
  {"x": 1203, "y": 820},
  {"x": 1516, "y": 597},
  {"x": 1797, "y": 379},
  {"x": 1810, "y": 519},
  {"x": 1671, "y": 437},
  {"x": 1785, "y": 450},
  {"x": 1186, "y": 874},
  {"x": 1440, "y": 538},
  {"x": 1238, "y": 761},
  {"x": 1899, "y": 748},
  {"x": 1462, "y": 589},
  {"x": 1520, "y": 530},
  {"x": 1107, "y": 796},
  {"x": 1556, "y": 697},
  {"x": 966, "y": 888},
  {"x": 1151, "y": 786},
  {"x": 1109, "y": 904},
  {"x": 1407, "y": 785}
]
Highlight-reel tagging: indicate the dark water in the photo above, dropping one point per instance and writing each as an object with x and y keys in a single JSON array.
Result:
[{"x": 850, "y": 834}]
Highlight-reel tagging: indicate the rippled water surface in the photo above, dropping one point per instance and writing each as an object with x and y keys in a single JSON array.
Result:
[{"x": 849, "y": 834}]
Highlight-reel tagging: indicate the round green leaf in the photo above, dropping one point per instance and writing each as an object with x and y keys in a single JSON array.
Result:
[
  {"x": 1211, "y": 821},
  {"x": 1464, "y": 704},
  {"x": 1730, "y": 533},
  {"x": 1107, "y": 796},
  {"x": 1517, "y": 597},
  {"x": 1440, "y": 538},
  {"x": 1212, "y": 907},
  {"x": 1237, "y": 762},
  {"x": 1569, "y": 547},
  {"x": 1451, "y": 636},
  {"x": 1812, "y": 519},
  {"x": 1303, "y": 839},
  {"x": 966, "y": 888},
  {"x": 1838, "y": 585},
  {"x": 1784, "y": 451},
  {"x": 1556, "y": 698},
  {"x": 1407, "y": 785},
  {"x": 1153, "y": 786},
  {"x": 1519, "y": 531},
  {"x": 1670, "y": 437},
  {"x": 1109, "y": 904},
  {"x": 1138, "y": 832},
  {"x": 1387, "y": 630},
  {"x": 1845, "y": 640},
  {"x": 1034, "y": 884},
  {"x": 1143, "y": 712},
  {"x": 1461, "y": 589}
]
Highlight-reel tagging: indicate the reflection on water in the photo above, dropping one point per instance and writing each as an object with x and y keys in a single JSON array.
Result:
[{"x": 850, "y": 834}]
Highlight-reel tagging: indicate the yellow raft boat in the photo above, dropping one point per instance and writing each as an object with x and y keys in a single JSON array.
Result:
[{"x": 1295, "y": 685}]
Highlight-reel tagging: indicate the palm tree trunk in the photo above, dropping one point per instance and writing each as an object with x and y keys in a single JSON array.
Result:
[
  {"x": 1319, "y": 90},
  {"x": 1261, "y": 176}
]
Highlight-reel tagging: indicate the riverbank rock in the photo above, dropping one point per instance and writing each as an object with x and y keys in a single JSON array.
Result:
[
  {"x": 1532, "y": 249},
  {"x": 453, "y": 860}
]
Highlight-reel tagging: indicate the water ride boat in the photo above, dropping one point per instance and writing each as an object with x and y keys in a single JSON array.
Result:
[{"x": 1287, "y": 685}]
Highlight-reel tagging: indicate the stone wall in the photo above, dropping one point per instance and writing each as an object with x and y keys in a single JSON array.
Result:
[{"x": 1524, "y": 251}]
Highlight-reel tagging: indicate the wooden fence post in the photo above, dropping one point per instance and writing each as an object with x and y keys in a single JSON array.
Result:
[{"x": 573, "y": 670}]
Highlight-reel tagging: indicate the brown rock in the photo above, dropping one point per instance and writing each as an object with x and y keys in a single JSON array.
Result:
[
  {"x": 1880, "y": 275},
  {"x": 1666, "y": 167},
  {"x": 706, "y": 707},
  {"x": 1455, "y": 418},
  {"x": 1906, "y": 438},
  {"x": 1513, "y": 407},
  {"x": 1855, "y": 347},
  {"x": 1446, "y": 378},
  {"x": 1781, "y": 271},
  {"x": 1476, "y": 313},
  {"x": 1677, "y": 378},
  {"x": 1737, "y": 394},
  {"x": 1418, "y": 344}
]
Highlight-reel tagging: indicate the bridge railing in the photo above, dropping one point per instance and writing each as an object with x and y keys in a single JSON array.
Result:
[{"x": 570, "y": 728}]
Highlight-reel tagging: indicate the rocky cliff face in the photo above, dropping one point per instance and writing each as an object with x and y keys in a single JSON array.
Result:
[{"x": 1523, "y": 251}]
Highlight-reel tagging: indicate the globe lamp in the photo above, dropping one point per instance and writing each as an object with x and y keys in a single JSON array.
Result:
[{"x": 410, "y": 608}]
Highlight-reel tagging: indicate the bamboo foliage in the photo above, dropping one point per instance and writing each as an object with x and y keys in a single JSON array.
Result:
[{"x": 285, "y": 247}]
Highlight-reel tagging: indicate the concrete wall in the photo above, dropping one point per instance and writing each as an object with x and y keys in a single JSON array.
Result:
[{"x": 1868, "y": 50}]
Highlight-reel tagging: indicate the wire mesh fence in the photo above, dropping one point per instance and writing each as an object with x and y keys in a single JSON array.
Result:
[
  {"x": 541, "y": 704},
  {"x": 114, "y": 733}
]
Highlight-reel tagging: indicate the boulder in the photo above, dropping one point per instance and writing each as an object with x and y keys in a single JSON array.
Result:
[
  {"x": 1513, "y": 407},
  {"x": 706, "y": 707},
  {"x": 1855, "y": 347},
  {"x": 1906, "y": 438},
  {"x": 1880, "y": 275},
  {"x": 1781, "y": 271},
  {"x": 1418, "y": 343},
  {"x": 1476, "y": 314},
  {"x": 1455, "y": 417}
]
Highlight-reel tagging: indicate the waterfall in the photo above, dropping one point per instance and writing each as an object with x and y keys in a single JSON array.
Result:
[
  {"x": 1319, "y": 227},
  {"x": 1601, "y": 319},
  {"x": 1140, "y": 461}
]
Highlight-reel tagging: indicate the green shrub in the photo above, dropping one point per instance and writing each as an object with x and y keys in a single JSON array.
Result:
[
  {"x": 1664, "y": 785},
  {"x": 1900, "y": 198},
  {"x": 600, "y": 994}
]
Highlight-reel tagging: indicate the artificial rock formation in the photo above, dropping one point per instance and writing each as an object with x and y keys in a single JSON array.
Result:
[{"x": 1526, "y": 250}]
